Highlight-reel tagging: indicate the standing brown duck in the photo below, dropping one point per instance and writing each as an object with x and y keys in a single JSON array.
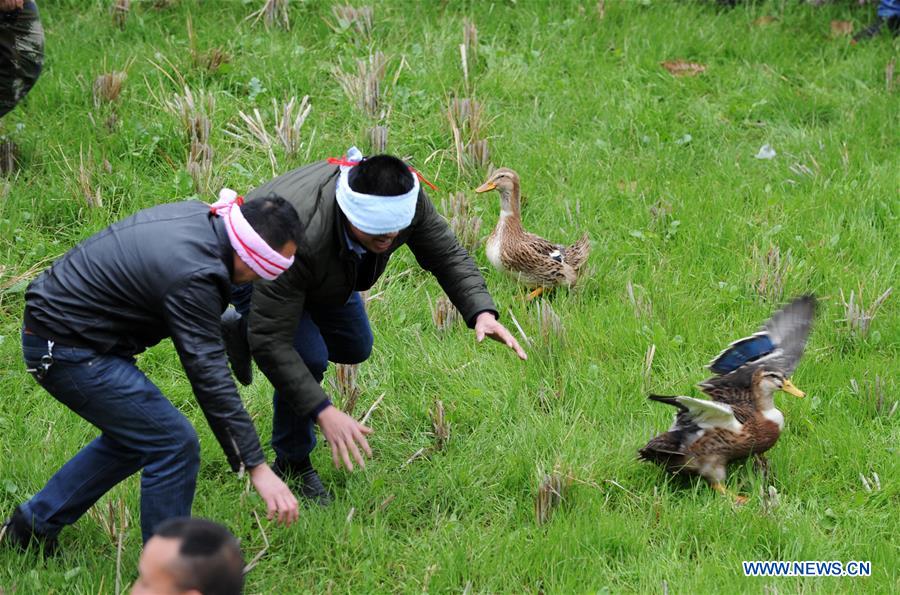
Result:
[{"x": 534, "y": 261}]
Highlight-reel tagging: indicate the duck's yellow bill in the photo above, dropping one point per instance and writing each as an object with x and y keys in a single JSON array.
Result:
[
  {"x": 486, "y": 187},
  {"x": 789, "y": 388}
]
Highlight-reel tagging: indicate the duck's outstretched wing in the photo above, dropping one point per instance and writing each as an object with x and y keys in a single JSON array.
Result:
[
  {"x": 779, "y": 344},
  {"x": 701, "y": 413}
]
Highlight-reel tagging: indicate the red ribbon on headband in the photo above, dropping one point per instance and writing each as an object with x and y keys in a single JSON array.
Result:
[{"x": 347, "y": 163}]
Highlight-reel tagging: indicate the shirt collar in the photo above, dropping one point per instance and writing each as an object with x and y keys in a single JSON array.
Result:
[{"x": 354, "y": 246}]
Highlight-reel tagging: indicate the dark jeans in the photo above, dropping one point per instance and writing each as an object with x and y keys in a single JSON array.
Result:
[
  {"x": 140, "y": 429},
  {"x": 888, "y": 9},
  {"x": 339, "y": 334},
  {"x": 21, "y": 54}
]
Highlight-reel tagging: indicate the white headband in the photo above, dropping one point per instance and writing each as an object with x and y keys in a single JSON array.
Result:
[{"x": 371, "y": 213}]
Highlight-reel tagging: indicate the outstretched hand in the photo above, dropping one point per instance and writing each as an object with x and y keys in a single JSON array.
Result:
[
  {"x": 343, "y": 434},
  {"x": 10, "y": 5},
  {"x": 486, "y": 325},
  {"x": 280, "y": 502}
]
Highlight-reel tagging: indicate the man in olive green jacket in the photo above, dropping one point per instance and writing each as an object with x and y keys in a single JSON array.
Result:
[{"x": 355, "y": 213}]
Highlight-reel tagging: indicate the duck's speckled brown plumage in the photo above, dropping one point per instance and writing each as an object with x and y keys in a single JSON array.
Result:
[
  {"x": 533, "y": 260},
  {"x": 741, "y": 419},
  {"x": 689, "y": 448}
]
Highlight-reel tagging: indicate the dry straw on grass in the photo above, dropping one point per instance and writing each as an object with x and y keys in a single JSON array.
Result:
[
  {"x": 9, "y": 157},
  {"x": 441, "y": 426},
  {"x": 289, "y": 119},
  {"x": 210, "y": 60},
  {"x": 194, "y": 112},
  {"x": 773, "y": 269},
  {"x": 345, "y": 380},
  {"x": 873, "y": 395},
  {"x": 550, "y": 493},
  {"x": 262, "y": 552},
  {"x": 272, "y": 13},
  {"x": 378, "y": 139},
  {"x": 648, "y": 366},
  {"x": 113, "y": 519},
  {"x": 549, "y": 321},
  {"x": 465, "y": 224},
  {"x": 363, "y": 87},
  {"x": 107, "y": 87},
  {"x": 120, "y": 10},
  {"x": 858, "y": 317},
  {"x": 443, "y": 313},
  {"x": 468, "y": 50},
  {"x": 84, "y": 173},
  {"x": 466, "y": 117},
  {"x": 640, "y": 301},
  {"x": 360, "y": 20}
]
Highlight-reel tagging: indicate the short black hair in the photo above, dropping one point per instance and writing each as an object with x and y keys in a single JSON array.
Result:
[
  {"x": 209, "y": 556},
  {"x": 381, "y": 175},
  {"x": 274, "y": 219}
]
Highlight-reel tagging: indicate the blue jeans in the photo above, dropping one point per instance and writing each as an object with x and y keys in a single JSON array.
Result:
[
  {"x": 339, "y": 334},
  {"x": 889, "y": 8},
  {"x": 140, "y": 429}
]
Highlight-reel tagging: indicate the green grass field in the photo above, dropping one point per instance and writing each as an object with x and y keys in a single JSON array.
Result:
[{"x": 659, "y": 170}]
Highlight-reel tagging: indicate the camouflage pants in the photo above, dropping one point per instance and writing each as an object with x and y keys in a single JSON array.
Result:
[{"x": 21, "y": 54}]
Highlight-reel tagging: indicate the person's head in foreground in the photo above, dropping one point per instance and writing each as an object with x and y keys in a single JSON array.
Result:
[
  {"x": 263, "y": 234},
  {"x": 378, "y": 196},
  {"x": 190, "y": 555}
]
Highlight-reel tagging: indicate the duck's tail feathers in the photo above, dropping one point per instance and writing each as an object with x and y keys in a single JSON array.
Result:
[
  {"x": 577, "y": 254},
  {"x": 668, "y": 401}
]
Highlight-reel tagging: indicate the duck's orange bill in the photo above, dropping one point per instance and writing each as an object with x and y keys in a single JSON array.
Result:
[
  {"x": 789, "y": 388},
  {"x": 486, "y": 187}
]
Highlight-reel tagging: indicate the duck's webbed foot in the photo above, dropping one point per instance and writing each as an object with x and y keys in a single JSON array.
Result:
[
  {"x": 739, "y": 499},
  {"x": 538, "y": 291}
]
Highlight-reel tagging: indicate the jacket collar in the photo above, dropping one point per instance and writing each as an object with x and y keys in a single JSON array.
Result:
[{"x": 225, "y": 250}]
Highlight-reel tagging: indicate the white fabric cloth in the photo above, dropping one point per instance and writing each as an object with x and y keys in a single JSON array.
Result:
[{"x": 371, "y": 213}]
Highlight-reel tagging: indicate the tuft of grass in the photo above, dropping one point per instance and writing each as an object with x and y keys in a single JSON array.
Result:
[
  {"x": 107, "y": 87},
  {"x": 347, "y": 386},
  {"x": 466, "y": 225},
  {"x": 194, "y": 112},
  {"x": 467, "y": 125},
  {"x": 550, "y": 494},
  {"x": 549, "y": 322},
  {"x": 360, "y": 21},
  {"x": 858, "y": 317},
  {"x": 210, "y": 60},
  {"x": 273, "y": 13},
  {"x": 602, "y": 135},
  {"x": 443, "y": 313},
  {"x": 378, "y": 139},
  {"x": 773, "y": 269},
  {"x": 440, "y": 425},
  {"x": 9, "y": 157},
  {"x": 288, "y": 124},
  {"x": 364, "y": 85},
  {"x": 873, "y": 397},
  {"x": 119, "y": 11}
]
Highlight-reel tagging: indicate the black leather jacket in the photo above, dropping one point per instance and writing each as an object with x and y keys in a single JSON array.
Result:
[{"x": 163, "y": 272}]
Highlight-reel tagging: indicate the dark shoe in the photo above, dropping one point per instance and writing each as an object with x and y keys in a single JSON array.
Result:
[
  {"x": 874, "y": 30},
  {"x": 234, "y": 333},
  {"x": 17, "y": 531},
  {"x": 305, "y": 475}
]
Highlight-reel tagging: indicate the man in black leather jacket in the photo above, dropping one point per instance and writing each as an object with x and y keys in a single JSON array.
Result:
[{"x": 164, "y": 272}]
